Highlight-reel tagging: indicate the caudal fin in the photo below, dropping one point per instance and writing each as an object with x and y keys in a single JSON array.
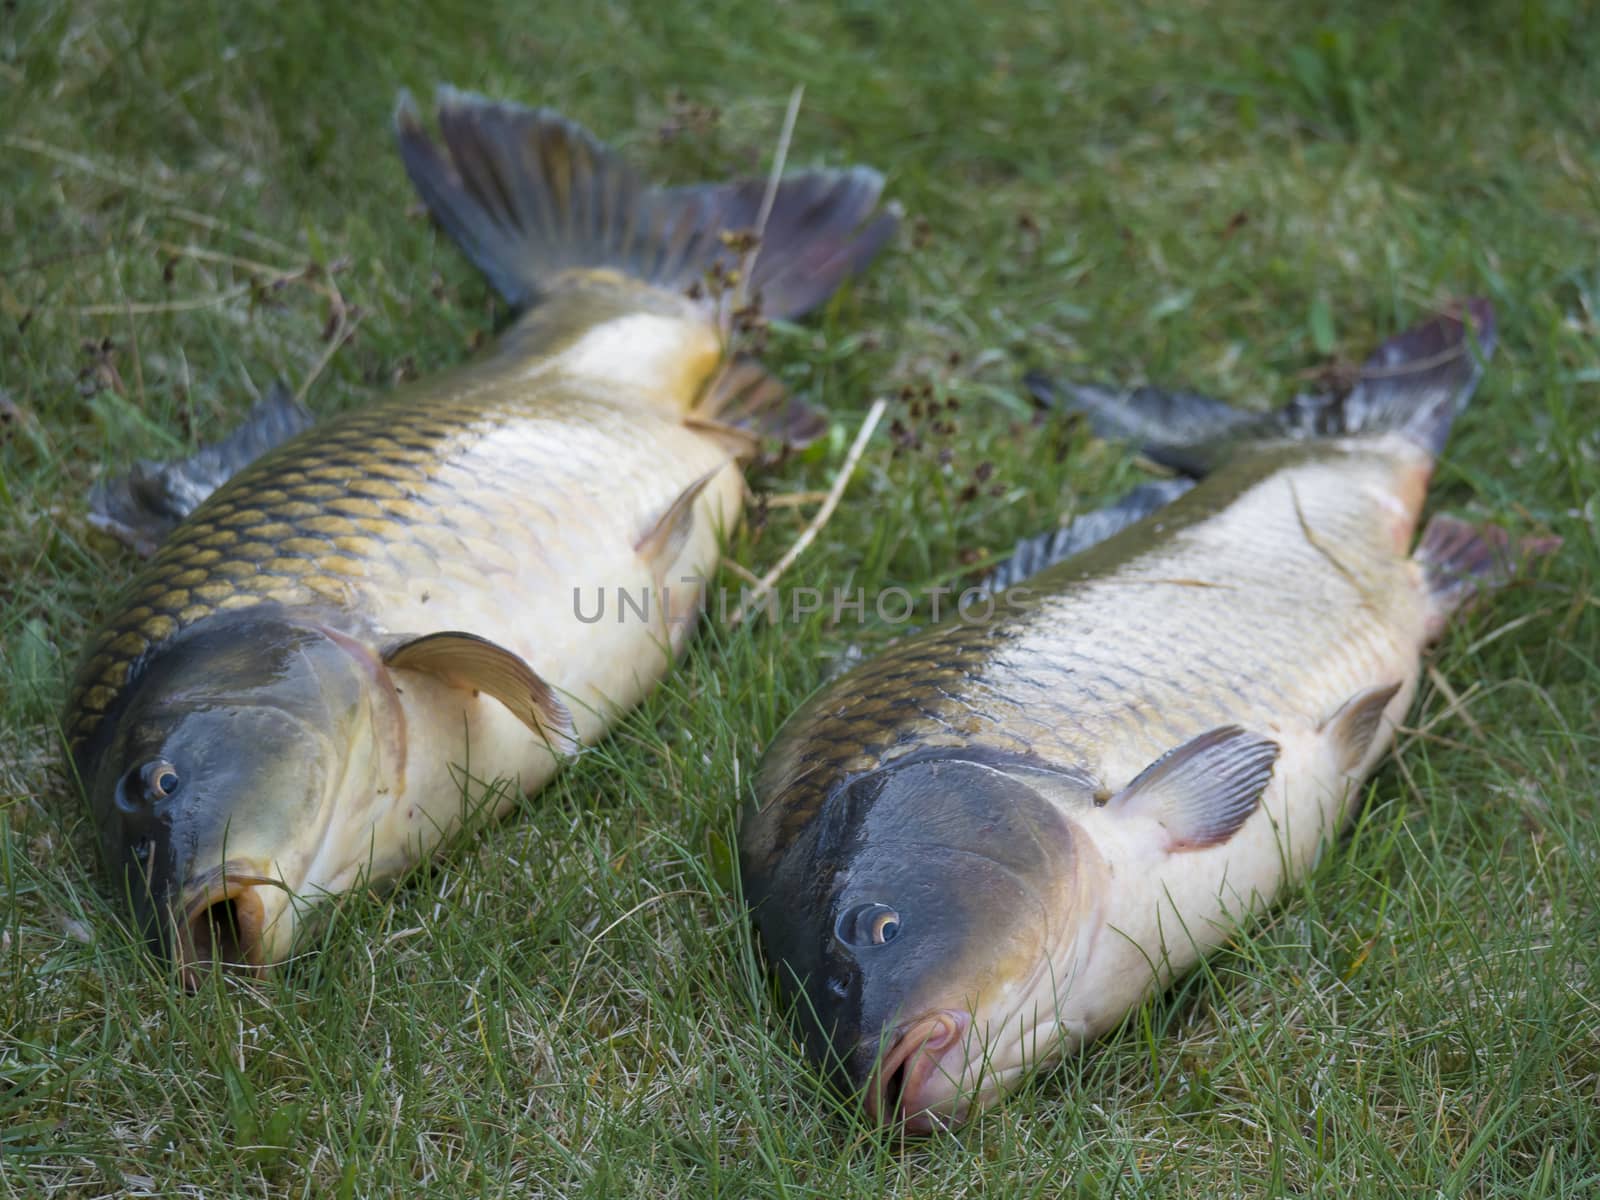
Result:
[
  {"x": 529, "y": 195},
  {"x": 1416, "y": 384}
]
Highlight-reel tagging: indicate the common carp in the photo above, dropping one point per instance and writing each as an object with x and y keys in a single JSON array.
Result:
[
  {"x": 342, "y": 647},
  {"x": 980, "y": 849}
]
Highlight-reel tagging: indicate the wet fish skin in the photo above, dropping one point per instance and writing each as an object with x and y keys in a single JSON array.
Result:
[
  {"x": 406, "y": 517},
  {"x": 1067, "y": 804},
  {"x": 388, "y": 503},
  {"x": 374, "y": 624}
]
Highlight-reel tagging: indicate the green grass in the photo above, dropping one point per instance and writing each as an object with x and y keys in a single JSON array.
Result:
[{"x": 1230, "y": 196}]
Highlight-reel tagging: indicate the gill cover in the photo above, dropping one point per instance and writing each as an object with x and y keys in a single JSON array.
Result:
[
  {"x": 224, "y": 746},
  {"x": 961, "y": 864}
]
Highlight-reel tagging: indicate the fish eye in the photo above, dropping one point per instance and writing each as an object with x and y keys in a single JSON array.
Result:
[
  {"x": 160, "y": 779},
  {"x": 868, "y": 925}
]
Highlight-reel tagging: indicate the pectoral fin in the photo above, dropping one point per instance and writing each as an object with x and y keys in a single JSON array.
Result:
[
  {"x": 1356, "y": 724},
  {"x": 1202, "y": 792},
  {"x": 465, "y": 660}
]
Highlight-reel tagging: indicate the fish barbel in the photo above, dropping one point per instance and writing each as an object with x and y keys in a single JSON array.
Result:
[
  {"x": 346, "y": 643},
  {"x": 982, "y": 848}
]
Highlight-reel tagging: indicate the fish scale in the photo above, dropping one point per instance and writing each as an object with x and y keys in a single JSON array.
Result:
[
  {"x": 407, "y": 495},
  {"x": 966, "y": 668},
  {"x": 372, "y": 633},
  {"x": 983, "y": 847}
]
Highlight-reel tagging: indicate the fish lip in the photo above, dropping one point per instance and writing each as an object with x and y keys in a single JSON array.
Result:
[
  {"x": 919, "y": 1048},
  {"x": 233, "y": 883}
]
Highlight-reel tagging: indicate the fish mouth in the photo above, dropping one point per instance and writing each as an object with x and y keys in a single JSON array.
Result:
[
  {"x": 911, "y": 1080},
  {"x": 222, "y": 921}
]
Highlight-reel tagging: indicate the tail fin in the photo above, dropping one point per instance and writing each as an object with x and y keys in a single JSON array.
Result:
[
  {"x": 529, "y": 195},
  {"x": 1416, "y": 383}
]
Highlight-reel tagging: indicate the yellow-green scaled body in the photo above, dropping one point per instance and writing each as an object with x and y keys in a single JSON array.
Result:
[{"x": 363, "y": 630}]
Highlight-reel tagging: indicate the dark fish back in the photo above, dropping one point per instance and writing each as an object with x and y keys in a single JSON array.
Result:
[{"x": 409, "y": 487}]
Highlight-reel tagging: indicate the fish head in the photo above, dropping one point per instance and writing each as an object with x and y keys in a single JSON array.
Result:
[
  {"x": 215, "y": 779},
  {"x": 918, "y": 923}
]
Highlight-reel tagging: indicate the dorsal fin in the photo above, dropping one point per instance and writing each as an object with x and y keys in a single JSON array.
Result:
[
  {"x": 1034, "y": 554},
  {"x": 143, "y": 506}
]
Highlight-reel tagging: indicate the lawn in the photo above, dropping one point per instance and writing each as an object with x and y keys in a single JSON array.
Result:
[{"x": 1225, "y": 195}]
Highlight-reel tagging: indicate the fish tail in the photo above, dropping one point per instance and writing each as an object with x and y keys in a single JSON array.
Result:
[
  {"x": 529, "y": 195},
  {"x": 1414, "y": 384}
]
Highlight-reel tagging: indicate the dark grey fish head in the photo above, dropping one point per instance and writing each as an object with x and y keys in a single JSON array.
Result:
[
  {"x": 916, "y": 903},
  {"x": 212, "y": 779}
]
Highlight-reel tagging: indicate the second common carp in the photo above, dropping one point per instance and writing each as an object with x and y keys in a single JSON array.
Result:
[
  {"x": 364, "y": 629},
  {"x": 982, "y": 848}
]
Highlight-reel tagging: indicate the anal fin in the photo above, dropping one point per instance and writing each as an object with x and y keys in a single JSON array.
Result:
[
  {"x": 465, "y": 660},
  {"x": 143, "y": 506},
  {"x": 745, "y": 397},
  {"x": 1034, "y": 554},
  {"x": 1460, "y": 559},
  {"x": 1203, "y": 791},
  {"x": 1355, "y": 724},
  {"x": 741, "y": 443}
]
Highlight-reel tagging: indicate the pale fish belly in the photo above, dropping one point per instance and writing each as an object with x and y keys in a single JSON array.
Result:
[
  {"x": 459, "y": 746},
  {"x": 562, "y": 466},
  {"x": 1329, "y": 570}
]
